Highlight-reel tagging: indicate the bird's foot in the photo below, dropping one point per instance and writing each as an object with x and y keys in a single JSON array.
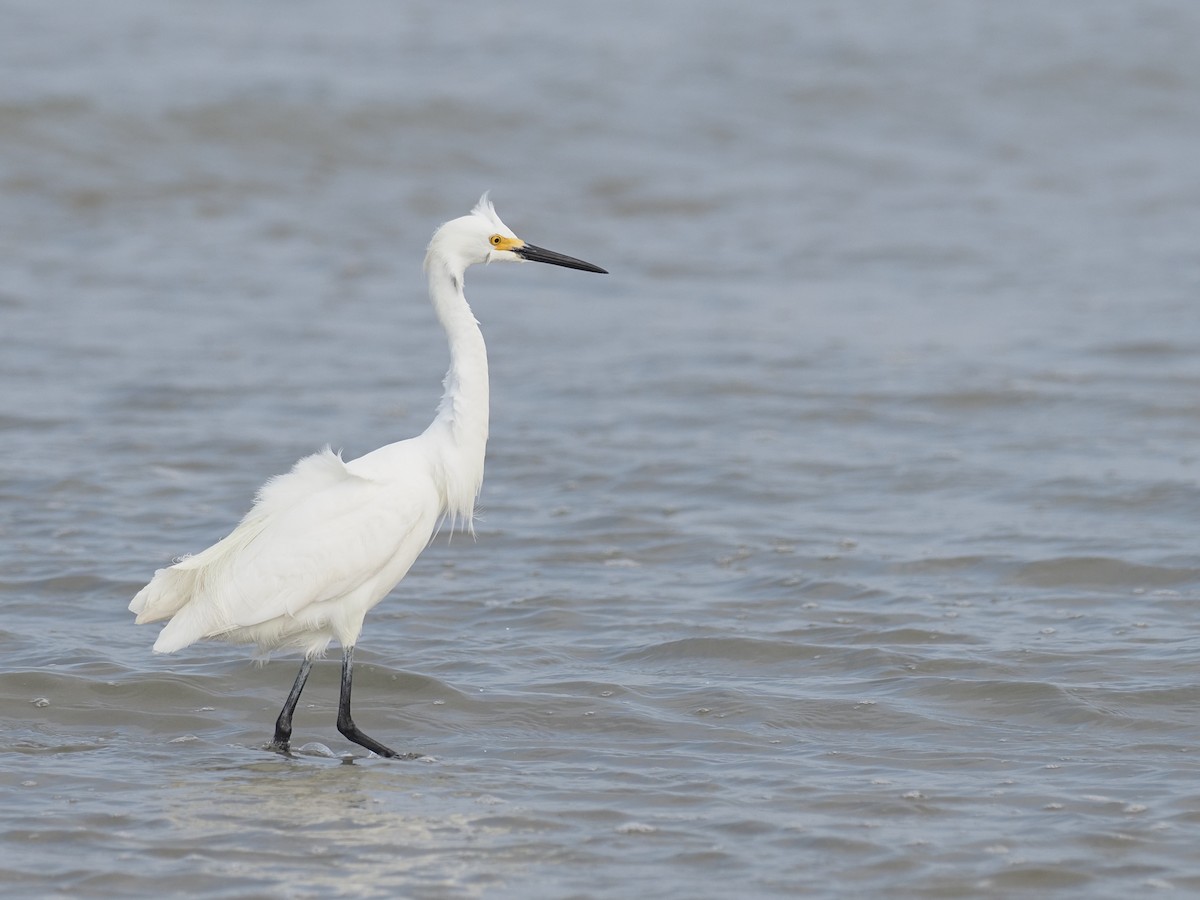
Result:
[{"x": 351, "y": 732}]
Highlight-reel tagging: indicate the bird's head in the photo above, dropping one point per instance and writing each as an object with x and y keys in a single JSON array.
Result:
[{"x": 482, "y": 237}]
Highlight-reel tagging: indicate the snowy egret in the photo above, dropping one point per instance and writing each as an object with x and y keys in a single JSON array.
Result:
[{"x": 327, "y": 541}]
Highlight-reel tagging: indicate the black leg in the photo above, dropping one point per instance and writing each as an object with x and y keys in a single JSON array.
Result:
[
  {"x": 346, "y": 724},
  {"x": 283, "y": 725}
]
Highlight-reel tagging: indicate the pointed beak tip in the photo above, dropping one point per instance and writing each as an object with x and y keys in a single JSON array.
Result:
[{"x": 532, "y": 253}]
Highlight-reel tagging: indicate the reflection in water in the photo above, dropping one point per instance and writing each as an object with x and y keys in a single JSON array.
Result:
[{"x": 362, "y": 829}]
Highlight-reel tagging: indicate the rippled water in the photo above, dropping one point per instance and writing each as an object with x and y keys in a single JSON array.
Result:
[{"x": 842, "y": 542}]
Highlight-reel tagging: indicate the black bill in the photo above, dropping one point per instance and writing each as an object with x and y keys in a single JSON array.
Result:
[{"x": 537, "y": 254}]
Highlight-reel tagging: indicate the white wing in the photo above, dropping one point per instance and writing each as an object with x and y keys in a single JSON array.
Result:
[{"x": 318, "y": 533}]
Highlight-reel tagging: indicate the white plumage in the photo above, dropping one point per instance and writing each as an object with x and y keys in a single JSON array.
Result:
[
  {"x": 327, "y": 541},
  {"x": 321, "y": 546}
]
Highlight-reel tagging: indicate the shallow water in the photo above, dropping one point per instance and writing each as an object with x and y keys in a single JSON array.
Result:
[{"x": 840, "y": 543}]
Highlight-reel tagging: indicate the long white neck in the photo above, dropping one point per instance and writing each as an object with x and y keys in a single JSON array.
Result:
[{"x": 460, "y": 428}]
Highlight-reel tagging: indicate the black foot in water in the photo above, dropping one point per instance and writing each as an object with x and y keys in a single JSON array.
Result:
[
  {"x": 283, "y": 725},
  {"x": 345, "y": 723},
  {"x": 352, "y": 733}
]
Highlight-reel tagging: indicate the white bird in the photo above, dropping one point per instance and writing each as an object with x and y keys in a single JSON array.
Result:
[{"x": 326, "y": 542}]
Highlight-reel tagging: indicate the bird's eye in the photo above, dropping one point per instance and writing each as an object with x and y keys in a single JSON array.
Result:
[{"x": 496, "y": 239}]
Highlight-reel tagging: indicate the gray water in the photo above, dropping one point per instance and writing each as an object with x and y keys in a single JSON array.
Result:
[{"x": 842, "y": 542}]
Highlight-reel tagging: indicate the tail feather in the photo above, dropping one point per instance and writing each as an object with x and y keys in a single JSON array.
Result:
[
  {"x": 164, "y": 596},
  {"x": 178, "y": 592},
  {"x": 201, "y": 594}
]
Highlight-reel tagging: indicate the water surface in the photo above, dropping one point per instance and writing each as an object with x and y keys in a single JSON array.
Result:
[{"x": 841, "y": 543}]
